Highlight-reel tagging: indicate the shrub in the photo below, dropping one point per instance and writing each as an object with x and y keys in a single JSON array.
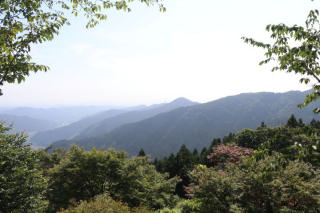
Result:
[
  {"x": 22, "y": 187},
  {"x": 191, "y": 206},
  {"x": 104, "y": 204},
  {"x": 81, "y": 175},
  {"x": 267, "y": 185},
  {"x": 100, "y": 204}
]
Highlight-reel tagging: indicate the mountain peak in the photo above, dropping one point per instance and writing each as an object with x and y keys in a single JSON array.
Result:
[{"x": 181, "y": 100}]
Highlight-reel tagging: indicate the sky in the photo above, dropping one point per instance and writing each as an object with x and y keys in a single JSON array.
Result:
[{"x": 193, "y": 50}]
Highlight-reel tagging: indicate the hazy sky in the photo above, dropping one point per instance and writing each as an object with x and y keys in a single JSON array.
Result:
[{"x": 193, "y": 50}]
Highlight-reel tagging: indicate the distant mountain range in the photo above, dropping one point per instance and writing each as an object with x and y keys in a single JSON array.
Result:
[
  {"x": 45, "y": 138},
  {"x": 26, "y": 124},
  {"x": 105, "y": 122},
  {"x": 59, "y": 115},
  {"x": 194, "y": 125},
  {"x": 110, "y": 124}
]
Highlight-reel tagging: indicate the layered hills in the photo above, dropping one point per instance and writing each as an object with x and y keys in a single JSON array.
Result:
[
  {"x": 196, "y": 125},
  {"x": 104, "y": 122},
  {"x": 26, "y": 123},
  {"x": 45, "y": 138}
]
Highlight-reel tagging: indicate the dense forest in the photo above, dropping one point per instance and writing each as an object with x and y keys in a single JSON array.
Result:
[{"x": 267, "y": 169}]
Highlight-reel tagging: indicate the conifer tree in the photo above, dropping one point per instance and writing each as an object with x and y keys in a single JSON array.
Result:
[
  {"x": 292, "y": 121},
  {"x": 141, "y": 153}
]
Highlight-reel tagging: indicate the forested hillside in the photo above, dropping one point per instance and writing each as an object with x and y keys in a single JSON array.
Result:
[
  {"x": 107, "y": 125},
  {"x": 59, "y": 115},
  {"x": 195, "y": 126},
  {"x": 45, "y": 138},
  {"x": 104, "y": 122}
]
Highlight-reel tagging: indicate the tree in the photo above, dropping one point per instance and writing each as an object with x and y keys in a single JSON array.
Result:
[
  {"x": 100, "y": 204},
  {"x": 292, "y": 122},
  {"x": 141, "y": 185},
  {"x": 141, "y": 153},
  {"x": 184, "y": 164},
  {"x": 295, "y": 49},
  {"x": 315, "y": 124},
  {"x": 271, "y": 184},
  {"x": 301, "y": 123},
  {"x": 104, "y": 204},
  {"x": 81, "y": 175},
  {"x": 263, "y": 125},
  {"x": 230, "y": 153},
  {"x": 24, "y": 23},
  {"x": 22, "y": 187}
]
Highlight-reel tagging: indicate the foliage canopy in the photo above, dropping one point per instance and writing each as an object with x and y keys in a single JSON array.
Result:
[{"x": 22, "y": 186}]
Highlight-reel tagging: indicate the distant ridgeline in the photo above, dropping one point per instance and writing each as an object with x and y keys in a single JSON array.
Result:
[
  {"x": 104, "y": 122},
  {"x": 26, "y": 123},
  {"x": 194, "y": 125}
]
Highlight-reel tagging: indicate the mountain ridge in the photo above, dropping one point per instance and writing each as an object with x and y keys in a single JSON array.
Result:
[
  {"x": 115, "y": 118},
  {"x": 26, "y": 123},
  {"x": 197, "y": 125}
]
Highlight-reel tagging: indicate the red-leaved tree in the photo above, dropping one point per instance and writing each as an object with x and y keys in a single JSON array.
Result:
[{"x": 229, "y": 153}]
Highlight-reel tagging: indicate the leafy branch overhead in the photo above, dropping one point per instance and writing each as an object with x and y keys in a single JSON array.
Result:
[
  {"x": 295, "y": 49},
  {"x": 27, "y": 22}
]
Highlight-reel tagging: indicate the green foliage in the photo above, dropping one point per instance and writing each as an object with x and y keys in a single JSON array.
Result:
[
  {"x": 262, "y": 125},
  {"x": 229, "y": 138},
  {"x": 271, "y": 184},
  {"x": 315, "y": 124},
  {"x": 141, "y": 153},
  {"x": 292, "y": 122},
  {"x": 81, "y": 175},
  {"x": 104, "y": 204},
  {"x": 48, "y": 161},
  {"x": 253, "y": 138},
  {"x": 191, "y": 206},
  {"x": 179, "y": 165},
  {"x": 22, "y": 187},
  {"x": 213, "y": 190},
  {"x": 27, "y": 22},
  {"x": 294, "y": 143},
  {"x": 295, "y": 49},
  {"x": 166, "y": 210},
  {"x": 142, "y": 185}
]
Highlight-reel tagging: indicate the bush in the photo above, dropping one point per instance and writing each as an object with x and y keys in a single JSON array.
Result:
[
  {"x": 213, "y": 190},
  {"x": 103, "y": 204},
  {"x": 22, "y": 187},
  {"x": 230, "y": 153},
  {"x": 142, "y": 185},
  {"x": 191, "y": 206},
  {"x": 81, "y": 175},
  {"x": 166, "y": 210},
  {"x": 268, "y": 185}
]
